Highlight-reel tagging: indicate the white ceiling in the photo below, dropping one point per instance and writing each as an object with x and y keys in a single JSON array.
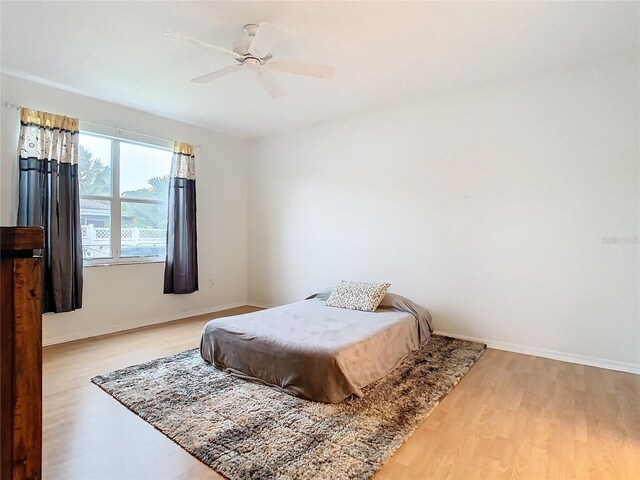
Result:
[{"x": 382, "y": 52}]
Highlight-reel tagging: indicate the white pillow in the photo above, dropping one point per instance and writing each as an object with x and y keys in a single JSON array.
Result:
[{"x": 358, "y": 295}]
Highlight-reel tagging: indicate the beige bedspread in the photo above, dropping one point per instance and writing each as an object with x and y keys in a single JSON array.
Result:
[{"x": 313, "y": 351}]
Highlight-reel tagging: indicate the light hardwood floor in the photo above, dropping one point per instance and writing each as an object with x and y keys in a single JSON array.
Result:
[{"x": 511, "y": 416}]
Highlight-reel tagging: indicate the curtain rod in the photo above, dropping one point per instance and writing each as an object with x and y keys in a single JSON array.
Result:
[{"x": 18, "y": 107}]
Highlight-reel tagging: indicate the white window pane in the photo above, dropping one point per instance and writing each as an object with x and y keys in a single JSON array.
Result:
[
  {"x": 144, "y": 230},
  {"x": 94, "y": 165},
  {"x": 144, "y": 172},
  {"x": 95, "y": 221}
]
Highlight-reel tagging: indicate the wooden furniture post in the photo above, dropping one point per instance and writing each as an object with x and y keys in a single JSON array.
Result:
[{"x": 21, "y": 353}]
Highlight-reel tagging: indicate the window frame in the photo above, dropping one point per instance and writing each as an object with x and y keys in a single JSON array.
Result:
[{"x": 115, "y": 199}]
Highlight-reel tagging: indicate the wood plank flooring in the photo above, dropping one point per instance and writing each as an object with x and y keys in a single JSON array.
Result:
[{"x": 511, "y": 416}]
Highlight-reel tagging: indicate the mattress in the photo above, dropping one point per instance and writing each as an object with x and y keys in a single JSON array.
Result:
[{"x": 311, "y": 350}]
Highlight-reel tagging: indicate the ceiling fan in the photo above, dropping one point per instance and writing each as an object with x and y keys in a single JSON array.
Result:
[{"x": 253, "y": 53}]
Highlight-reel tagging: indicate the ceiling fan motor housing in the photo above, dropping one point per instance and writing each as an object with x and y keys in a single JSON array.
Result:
[
  {"x": 250, "y": 29},
  {"x": 241, "y": 45}
]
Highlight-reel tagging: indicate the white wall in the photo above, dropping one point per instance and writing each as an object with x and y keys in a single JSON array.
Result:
[
  {"x": 493, "y": 207},
  {"x": 120, "y": 297},
  {"x": 490, "y": 207}
]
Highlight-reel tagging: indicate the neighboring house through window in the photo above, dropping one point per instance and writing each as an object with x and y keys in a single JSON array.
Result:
[{"x": 123, "y": 199}]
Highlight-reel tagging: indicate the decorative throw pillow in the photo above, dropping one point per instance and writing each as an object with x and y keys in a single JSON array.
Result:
[{"x": 358, "y": 295}]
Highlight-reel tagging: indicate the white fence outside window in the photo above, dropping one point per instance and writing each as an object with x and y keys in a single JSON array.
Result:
[{"x": 96, "y": 241}]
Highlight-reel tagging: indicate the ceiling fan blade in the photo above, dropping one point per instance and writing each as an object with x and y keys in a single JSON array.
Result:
[
  {"x": 194, "y": 41},
  {"x": 265, "y": 39},
  {"x": 217, "y": 74},
  {"x": 307, "y": 69},
  {"x": 269, "y": 82}
]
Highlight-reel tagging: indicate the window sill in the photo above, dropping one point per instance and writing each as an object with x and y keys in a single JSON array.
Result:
[{"x": 119, "y": 264}]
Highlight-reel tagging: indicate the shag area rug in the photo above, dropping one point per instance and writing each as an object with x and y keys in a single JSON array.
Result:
[{"x": 249, "y": 431}]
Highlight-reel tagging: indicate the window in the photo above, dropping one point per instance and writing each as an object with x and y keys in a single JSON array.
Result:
[{"x": 123, "y": 199}]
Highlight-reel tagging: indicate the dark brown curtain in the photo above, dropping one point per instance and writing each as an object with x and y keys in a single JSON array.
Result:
[
  {"x": 181, "y": 267},
  {"x": 49, "y": 197}
]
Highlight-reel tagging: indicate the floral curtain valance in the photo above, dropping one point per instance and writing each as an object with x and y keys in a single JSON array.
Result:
[
  {"x": 46, "y": 136},
  {"x": 184, "y": 161}
]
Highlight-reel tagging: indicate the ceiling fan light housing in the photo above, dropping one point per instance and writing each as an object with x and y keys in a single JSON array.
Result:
[{"x": 252, "y": 63}]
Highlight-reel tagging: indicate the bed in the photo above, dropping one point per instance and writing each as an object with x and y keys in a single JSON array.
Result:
[{"x": 314, "y": 351}]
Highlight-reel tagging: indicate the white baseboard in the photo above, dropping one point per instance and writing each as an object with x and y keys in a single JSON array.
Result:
[
  {"x": 552, "y": 354},
  {"x": 139, "y": 323},
  {"x": 256, "y": 303}
]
